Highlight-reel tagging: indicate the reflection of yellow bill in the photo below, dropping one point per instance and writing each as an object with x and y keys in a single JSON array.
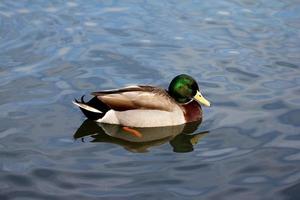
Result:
[
  {"x": 198, "y": 97},
  {"x": 195, "y": 139}
]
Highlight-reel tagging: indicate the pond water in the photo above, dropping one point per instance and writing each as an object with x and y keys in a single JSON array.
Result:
[{"x": 244, "y": 54}]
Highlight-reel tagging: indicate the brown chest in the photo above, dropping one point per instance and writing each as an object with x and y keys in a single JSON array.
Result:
[{"x": 192, "y": 112}]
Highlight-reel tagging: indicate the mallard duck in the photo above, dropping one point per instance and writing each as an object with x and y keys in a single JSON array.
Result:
[{"x": 147, "y": 106}]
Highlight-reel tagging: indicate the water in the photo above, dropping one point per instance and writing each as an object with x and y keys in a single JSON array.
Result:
[{"x": 244, "y": 54}]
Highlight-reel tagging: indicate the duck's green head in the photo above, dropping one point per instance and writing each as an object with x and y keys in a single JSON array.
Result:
[{"x": 183, "y": 88}]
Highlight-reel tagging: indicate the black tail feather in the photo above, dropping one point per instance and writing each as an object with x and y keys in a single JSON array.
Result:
[
  {"x": 95, "y": 103},
  {"x": 82, "y": 99}
]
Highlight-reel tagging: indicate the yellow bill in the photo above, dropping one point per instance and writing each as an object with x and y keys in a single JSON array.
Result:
[{"x": 198, "y": 97}]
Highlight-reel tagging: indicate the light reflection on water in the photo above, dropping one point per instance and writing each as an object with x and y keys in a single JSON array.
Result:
[{"x": 245, "y": 56}]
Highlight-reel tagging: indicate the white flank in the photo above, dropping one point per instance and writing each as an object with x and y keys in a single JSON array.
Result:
[
  {"x": 86, "y": 107},
  {"x": 110, "y": 117},
  {"x": 144, "y": 118}
]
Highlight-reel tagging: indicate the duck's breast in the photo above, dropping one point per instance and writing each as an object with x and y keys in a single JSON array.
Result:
[{"x": 192, "y": 112}]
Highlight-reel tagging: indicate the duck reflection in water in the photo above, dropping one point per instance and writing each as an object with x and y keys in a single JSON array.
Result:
[{"x": 182, "y": 137}]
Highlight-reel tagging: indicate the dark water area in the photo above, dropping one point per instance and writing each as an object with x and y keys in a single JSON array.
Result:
[{"x": 244, "y": 54}]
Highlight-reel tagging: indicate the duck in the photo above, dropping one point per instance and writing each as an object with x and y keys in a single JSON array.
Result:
[{"x": 146, "y": 105}]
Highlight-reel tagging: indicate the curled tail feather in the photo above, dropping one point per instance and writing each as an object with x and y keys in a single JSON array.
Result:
[{"x": 93, "y": 109}]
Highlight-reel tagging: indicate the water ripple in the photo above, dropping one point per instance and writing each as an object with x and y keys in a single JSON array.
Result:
[{"x": 244, "y": 54}]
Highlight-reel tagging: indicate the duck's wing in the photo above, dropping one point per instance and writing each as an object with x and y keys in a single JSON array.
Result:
[{"x": 136, "y": 97}]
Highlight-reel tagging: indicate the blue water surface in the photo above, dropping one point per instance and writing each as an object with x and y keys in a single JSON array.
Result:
[{"x": 244, "y": 54}]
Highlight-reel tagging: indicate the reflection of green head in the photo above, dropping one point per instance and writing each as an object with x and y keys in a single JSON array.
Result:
[{"x": 183, "y": 88}]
